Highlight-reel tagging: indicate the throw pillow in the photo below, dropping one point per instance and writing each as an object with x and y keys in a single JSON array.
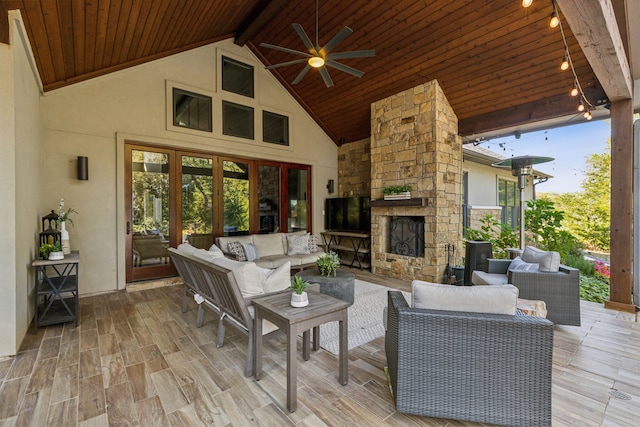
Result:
[
  {"x": 495, "y": 299},
  {"x": 298, "y": 244},
  {"x": 519, "y": 265},
  {"x": 549, "y": 261},
  {"x": 186, "y": 248},
  {"x": 237, "y": 249},
  {"x": 204, "y": 255},
  {"x": 216, "y": 251},
  {"x": 250, "y": 251},
  {"x": 313, "y": 243},
  {"x": 246, "y": 274},
  {"x": 276, "y": 279}
]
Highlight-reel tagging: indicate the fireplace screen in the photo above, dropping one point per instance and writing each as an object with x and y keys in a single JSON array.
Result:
[{"x": 406, "y": 236}]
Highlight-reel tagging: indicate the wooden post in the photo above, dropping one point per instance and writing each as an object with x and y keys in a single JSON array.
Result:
[{"x": 621, "y": 206}]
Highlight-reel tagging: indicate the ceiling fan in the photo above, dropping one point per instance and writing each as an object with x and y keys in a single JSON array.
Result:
[{"x": 321, "y": 57}]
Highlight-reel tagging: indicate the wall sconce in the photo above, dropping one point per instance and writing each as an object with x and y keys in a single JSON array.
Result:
[
  {"x": 83, "y": 168},
  {"x": 330, "y": 187}
]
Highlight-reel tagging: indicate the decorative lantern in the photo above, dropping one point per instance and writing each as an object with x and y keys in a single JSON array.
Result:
[{"x": 49, "y": 234}]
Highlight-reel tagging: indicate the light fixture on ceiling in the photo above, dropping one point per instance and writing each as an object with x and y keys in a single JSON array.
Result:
[
  {"x": 581, "y": 106},
  {"x": 526, "y": 3},
  {"x": 555, "y": 19},
  {"x": 316, "y": 62},
  {"x": 565, "y": 62},
  {"x": 574, "y": 91}
]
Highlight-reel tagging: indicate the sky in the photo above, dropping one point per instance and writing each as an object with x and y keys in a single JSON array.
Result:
[{"x": 570, "y": 146}]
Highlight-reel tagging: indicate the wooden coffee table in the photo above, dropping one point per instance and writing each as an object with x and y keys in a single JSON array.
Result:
[{"x": 321, "y": 309}]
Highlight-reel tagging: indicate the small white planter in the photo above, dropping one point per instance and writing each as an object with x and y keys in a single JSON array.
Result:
[
  {"x": 398, "y": 196},
  {"x": 299, "y": 300},
  {"x": 54, "y": 256}
]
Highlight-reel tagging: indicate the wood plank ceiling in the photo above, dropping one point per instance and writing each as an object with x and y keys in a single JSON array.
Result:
[{"x": 497, "y": 62}]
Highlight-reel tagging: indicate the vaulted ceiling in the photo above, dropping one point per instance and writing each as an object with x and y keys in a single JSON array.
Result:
[{"x": 497, "y": 62}]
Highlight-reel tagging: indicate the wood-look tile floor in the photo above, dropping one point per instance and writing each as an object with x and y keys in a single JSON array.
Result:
[{"x": 136, "y": 359}]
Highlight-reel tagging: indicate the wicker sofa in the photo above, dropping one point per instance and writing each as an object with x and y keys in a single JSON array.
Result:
[
  {"x": 559, "y": 290},
  {"x": 488, "y": 368}
]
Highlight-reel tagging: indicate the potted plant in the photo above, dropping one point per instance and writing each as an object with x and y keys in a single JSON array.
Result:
[
  {"x": 299, "y": 296},
  {"x": 328, "y": 264},
  {"x": 52, "y": 251},
  {"x": 397, "y": 192}
]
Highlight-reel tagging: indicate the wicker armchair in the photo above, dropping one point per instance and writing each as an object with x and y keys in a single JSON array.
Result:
[
  {"x": 489, "y": 368},
  {"x": 560, "y": 291}
]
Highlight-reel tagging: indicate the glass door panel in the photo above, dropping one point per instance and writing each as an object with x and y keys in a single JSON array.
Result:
[
  {"x": 149, "y": 224},
  {"x": 197, "y": 201},
  {"x": 297, "y": 199},
  {"x": 268, "y": 198},
  {"x": 235, "y": 194}
]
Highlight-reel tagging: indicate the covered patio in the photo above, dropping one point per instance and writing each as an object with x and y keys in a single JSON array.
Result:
[{"x": 136, "y": 359}]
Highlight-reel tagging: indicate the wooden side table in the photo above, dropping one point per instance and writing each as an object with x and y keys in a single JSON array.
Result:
[
  {"x": 277, "y": 309},
  {"x": 56, "y": 290}
]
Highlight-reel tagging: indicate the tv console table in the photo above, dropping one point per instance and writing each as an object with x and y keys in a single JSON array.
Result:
[{"x": 355, "y": 246}]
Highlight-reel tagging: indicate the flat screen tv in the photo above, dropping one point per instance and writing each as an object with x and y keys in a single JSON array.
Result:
[{"x": 348, "y": 214}]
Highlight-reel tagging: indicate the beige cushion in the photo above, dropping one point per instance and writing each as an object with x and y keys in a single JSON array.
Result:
[
  {"x": 549, "y": 261},
  {"x": 187, "y": 248},
  {"x": 498, "y": 299},
  {"x": 245, "y": 273},
  {"x": 277, "y": 279},
  {"x": 222, "y": 242},
  {"x": 269, "y": 244},
  {"x": 479, "y": 277}
]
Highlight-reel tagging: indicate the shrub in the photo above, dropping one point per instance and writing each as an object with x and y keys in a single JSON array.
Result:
[
  {"x": 586, "y": 267},
  {"x": 500, "y": 235},
  {"x": 593, "y": 289}
]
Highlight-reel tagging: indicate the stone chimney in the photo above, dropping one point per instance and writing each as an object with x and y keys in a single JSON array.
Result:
[{"x": 415, "y": 141}]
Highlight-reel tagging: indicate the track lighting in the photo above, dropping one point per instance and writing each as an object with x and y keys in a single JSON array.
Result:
[{"x": 526, "y": 3}]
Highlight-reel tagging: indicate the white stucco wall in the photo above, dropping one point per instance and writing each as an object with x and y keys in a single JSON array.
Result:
[
  {"x": 95, "y": 118},
  {"x": 19, "y": 170},
  {"x": 483, "y": 183}
]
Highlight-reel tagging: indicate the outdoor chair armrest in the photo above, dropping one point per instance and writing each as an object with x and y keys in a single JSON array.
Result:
[{"x": 498, "y": 266}]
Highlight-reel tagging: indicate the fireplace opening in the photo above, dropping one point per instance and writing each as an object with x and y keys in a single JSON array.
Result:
[{"x": 406, "y": 236}]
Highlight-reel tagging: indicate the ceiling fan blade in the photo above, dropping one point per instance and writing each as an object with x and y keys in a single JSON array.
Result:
[
  {"x": 352, "y": 54},
  {"x": 284, "y": 49},
  {"x": 305, "y": 38},
  {"x": 284, "y": 64},
  {"x": 325, "y": 76},
  {"x": 345, "y": 68},
  {"x": 342, "y": 34},
  {"x": 302, "y": 73}
]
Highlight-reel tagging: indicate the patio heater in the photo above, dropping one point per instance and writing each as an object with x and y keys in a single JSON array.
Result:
[{"x": 522, "y": 167}]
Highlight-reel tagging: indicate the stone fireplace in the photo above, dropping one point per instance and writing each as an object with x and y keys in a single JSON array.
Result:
[{"x": 414, "y": 140}]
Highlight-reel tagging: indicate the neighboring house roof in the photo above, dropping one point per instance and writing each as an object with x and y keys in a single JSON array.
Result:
[{"x": 481, "y": 155}]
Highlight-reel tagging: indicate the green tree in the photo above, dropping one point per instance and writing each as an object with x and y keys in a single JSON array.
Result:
[{"x": 588, "y": 212}]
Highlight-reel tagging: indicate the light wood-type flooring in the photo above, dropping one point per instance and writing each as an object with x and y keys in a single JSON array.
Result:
[{"x": 136, "y": 359}]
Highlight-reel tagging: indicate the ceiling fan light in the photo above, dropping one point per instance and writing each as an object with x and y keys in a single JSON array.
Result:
[
  {"x": 316, "y": 62},
  {"x": 526, "y": 3}
]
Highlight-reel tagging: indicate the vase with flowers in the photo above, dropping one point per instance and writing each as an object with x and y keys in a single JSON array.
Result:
[{"x": 63, "y": 218}]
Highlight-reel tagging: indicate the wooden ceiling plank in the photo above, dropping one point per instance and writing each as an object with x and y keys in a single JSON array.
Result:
[
  {"x": 141, "y": 23},
  {"x": 126, "y": 15},
  {"x": 595, "y": 27},
  {"x": 78, "y": 24},
  {"x": 91, "y": 22},
  {"x": 102, "y": 23},
  {"x": 129, "y": 31},
  {"x": 200, "y": 26},
  {"x": 249, "y": 29},
  {"x": 52, "y": 23},
  {"x": 190, "y": 23},
  {"x": 167, "y": 26},
  {"x": 65, "y": 18},
  {"x": 113, "y": 23},
  {"x": 40, "y": 43},
  {"x": 150, "y": 28}
]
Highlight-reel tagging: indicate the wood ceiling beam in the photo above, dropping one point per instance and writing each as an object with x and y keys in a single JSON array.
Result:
[
  {"x": 594, "y": 25},
  {"x": 547, "y": 108},
  {"x": 4, "y": 23},
  {"x": 256, "y": 23}
]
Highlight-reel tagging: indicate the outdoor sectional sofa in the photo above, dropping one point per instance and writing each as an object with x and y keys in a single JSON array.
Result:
[{"x": 274, "y": 249}]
